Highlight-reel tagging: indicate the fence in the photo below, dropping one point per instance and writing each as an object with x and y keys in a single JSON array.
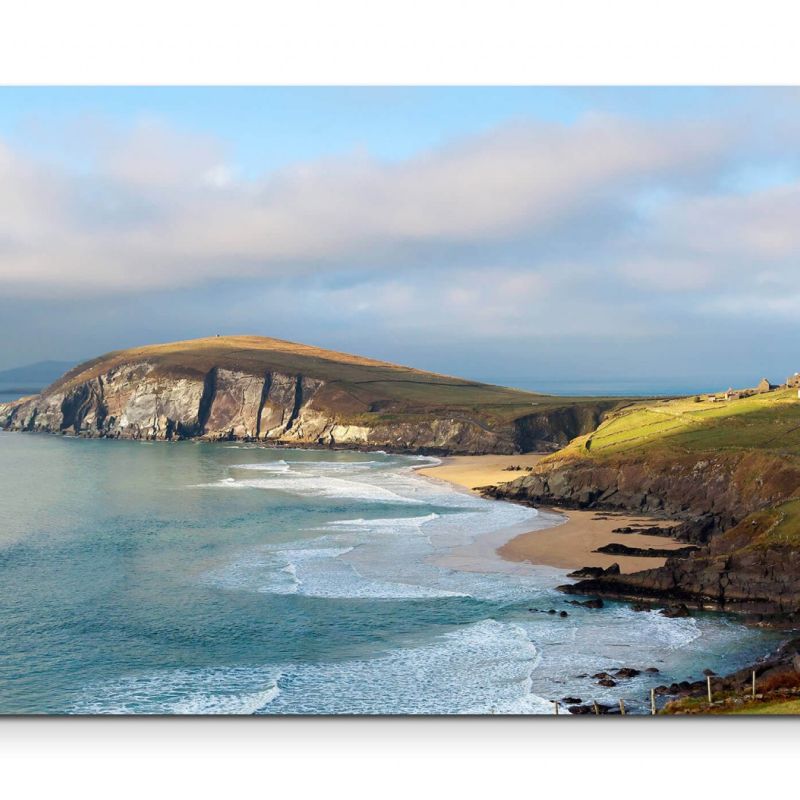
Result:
[{"x": 653, "y": 704}]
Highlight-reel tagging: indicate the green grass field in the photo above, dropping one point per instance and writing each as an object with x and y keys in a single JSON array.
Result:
[
  {"x": 768, "y": 422},
  {"x": 778, "y": 708},
  {"x": 769, "y": 706},
  {"x": 778, "y": 526}
]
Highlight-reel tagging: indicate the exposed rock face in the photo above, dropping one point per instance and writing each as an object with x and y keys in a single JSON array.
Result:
[
  {"x": 713, "y": 495},
  {"x": 552, "y": 429},
  {"x": 234, "y": 405},
  {"x": 139, "y": 400},
  {"x": 758, "y": 580},
  {"x": 136, "y": 401}
]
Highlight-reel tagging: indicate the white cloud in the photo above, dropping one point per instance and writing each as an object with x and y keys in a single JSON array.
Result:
[
  {"x": 762, "y": 225},
  {"x": 530, "y": 235},
  {"x": 161, "y": 210},
  {"x": 667, "y": 274}
]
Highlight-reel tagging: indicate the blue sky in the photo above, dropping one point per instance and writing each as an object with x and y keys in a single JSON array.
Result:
[
  {"x": 266, "y": 127},
  {"x": 520, "y": 235}
]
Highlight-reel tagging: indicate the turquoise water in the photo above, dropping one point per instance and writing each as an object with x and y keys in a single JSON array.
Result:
[{"x": 221, "y": 578}]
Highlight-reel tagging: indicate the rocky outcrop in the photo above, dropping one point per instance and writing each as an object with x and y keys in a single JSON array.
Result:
[
  {"x": 711, "y": 493},
  {"x": 727, "y": 574},
  {"x": 137, "y": 401},
  {"x": 718, "y": 497},
  {"x": 143, "y": 400},
  {"x": 616, "y": 549},
  {"x": 776, "y": 678},
  {"x": 551, "y": 429}
]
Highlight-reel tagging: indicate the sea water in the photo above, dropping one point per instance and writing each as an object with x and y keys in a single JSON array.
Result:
[{"x": 197, "y": 578}]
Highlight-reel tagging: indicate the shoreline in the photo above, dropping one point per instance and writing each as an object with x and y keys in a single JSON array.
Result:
[{"x": 567, "y": 545}]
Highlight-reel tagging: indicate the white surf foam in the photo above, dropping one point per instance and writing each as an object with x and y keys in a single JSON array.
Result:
[
  {"x": 326, "y": 486},
  {"x": 315, "y": 571},
  {"x": 272, "y": 466},
  {"x": 338, "y": 465},
  {"x": 480, "y": 668},
  {"x": 321, "y": 572},
  {"x": 386, "y": 525},
  {"x": 233, "y": 690}
]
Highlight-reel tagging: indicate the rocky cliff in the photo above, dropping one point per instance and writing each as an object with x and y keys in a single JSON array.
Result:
[
  {"x": 737, "y": 504},
  {"x": 266, "y": 390},
  {"x": 752, "y": 580},
  {"x": 711, "y": 492}
]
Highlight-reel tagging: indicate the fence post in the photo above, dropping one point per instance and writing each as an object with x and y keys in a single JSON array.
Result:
[
  {"x": 556, "y": 704},
  {"x": 622, "y": 707},
  {"x": 754, "y": 685},
  {"x": 708, "y": 683},
  {"x": 652, "y": 701},
  {"x": 594, "y": 706}
]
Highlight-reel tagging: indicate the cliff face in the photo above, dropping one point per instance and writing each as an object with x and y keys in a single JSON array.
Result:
[
  {"x": 141, "y": 400},
  {"x": 711, "y": 491},
  {"x": 728, "y": 501},
  {"x": 261, "y": 389},
  {"x": 751, "y": 580},
  {"x": 138, "y": 401},
  {"x": 553, "y": 428}
]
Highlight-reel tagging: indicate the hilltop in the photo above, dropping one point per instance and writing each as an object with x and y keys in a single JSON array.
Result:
[
  {"x": 262, "y": 389},
  {"x": 730, "y": 471},
  {"x": 767, "y": 422}
]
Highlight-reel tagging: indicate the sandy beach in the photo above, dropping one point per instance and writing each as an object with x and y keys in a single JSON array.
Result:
[
  {"x": 472, "y": 472},
  {"x": 566, "y": 546}
]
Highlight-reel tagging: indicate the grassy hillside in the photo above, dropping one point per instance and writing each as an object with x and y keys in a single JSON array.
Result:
[
  {"x": 356, "y": 385},
  {"x": 768, "y": 422},
  {"x": 774, "y": 527},
  {"x": 737, "y": 458}
]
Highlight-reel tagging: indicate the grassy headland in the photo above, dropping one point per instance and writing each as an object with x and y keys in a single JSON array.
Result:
[
  {"x": 361, "y": 389},
  {"x": 767, "y": 422},
  {"x": 253, "y": 387},
  {"x": 729, "y": 469}
]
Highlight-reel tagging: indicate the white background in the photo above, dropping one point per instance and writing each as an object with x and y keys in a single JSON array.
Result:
[{"x": 344, "y": 41}]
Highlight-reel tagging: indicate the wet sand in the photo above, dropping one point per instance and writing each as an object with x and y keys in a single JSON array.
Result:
[
  {"x": 568, "y": 545},
  {"x": 472, "y": 472}
]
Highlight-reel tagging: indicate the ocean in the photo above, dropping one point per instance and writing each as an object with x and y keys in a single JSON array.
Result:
[{"x": 200, "y": 578}]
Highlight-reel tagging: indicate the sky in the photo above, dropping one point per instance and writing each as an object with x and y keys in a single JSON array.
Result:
[{"x": 642, "y": 239}]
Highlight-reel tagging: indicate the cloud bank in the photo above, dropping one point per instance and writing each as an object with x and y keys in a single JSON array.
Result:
[{"x": 607, "y": 228}]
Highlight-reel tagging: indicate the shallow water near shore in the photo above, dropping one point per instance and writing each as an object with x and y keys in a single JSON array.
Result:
[{"x": 196, "y": 578}]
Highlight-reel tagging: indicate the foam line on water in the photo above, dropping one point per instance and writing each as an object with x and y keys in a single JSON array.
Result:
[
  {"x": 479, "y": 668},
  {"x": 271, "y": 466},
  {"x": 384, "y": 525},
  {"x": 325, "y": 486},
  {"x": 231, "y": 690}
]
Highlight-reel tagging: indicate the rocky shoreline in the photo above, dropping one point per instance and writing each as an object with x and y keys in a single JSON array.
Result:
[
  {"x": 714, "y": 499},
  {"x": 776, "y": 677}
]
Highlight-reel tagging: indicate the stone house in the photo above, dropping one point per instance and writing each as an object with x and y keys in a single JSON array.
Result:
[{"x": 765, "y": 386}]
